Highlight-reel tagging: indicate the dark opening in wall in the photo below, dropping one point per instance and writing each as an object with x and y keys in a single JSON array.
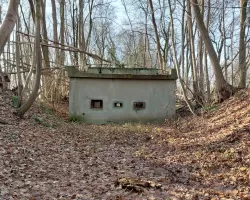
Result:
[
  {"x": 139, "y": 105},
  {"x": 96, "y": 104},
  {"x": 118, "y": 104}
]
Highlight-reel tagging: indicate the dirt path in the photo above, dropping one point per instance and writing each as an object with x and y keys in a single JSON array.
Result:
[{"x": 43, "y": 157}]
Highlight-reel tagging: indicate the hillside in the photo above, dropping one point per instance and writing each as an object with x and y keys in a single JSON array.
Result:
[{"x": 43, "y": 156}]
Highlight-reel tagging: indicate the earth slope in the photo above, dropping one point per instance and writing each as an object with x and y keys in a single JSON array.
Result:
[{"x": 46, "y": 157}]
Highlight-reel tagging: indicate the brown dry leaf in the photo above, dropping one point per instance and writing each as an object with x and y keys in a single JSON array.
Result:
[{"x": 191, "y": 157}]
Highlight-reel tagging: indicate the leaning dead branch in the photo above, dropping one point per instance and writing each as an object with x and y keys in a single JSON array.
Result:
[{"x": 67, "y": 48}]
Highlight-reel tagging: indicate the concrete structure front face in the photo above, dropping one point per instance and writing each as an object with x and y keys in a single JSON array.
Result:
[
  {"x": 102, "y": 96},
  {"x": 156, "y": 99}
]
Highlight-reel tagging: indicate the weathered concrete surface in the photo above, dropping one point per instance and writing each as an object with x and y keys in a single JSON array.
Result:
[
  {"x": 159, "y": 96},
  {"x": 155, "y": 88}
]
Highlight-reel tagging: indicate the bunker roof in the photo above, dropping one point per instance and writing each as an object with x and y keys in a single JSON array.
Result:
[{"x": 122, "y": 73}]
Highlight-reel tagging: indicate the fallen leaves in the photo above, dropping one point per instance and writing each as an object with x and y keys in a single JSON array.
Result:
[{"x": 192, "y": 158}]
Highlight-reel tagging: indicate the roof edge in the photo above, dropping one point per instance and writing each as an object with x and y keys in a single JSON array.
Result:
[{"x": 122, "y": 73}]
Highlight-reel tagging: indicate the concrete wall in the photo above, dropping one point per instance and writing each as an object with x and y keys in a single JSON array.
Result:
[{"x": 159, "y": 96}]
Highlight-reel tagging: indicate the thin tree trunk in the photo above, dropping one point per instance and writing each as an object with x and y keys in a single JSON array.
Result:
[
  {"x": 192, "y": 52},
  {"x": 62, "y": 30},
  {"x": 201, "y": 98},
  {"x": 0, "y": 14},
  {"x": 223, "y": 88},
  {"x": 242, "y": 52},
  {"x": 45, "y": 49},
  {"x": 62, "y": 52},
  {"x": 19, "y": 88},
  {"x": 55, "y": 32},
  {"x": 8, "y": 23},
  {"x": 55, "y": 38},
  {"x": 158, "y": 44},
  {"x": 81, "y": 36},
  {"x": 205, "y": 57},
  {"x": 38, "y": 60},
  {"x": 232, "y": 52},
  {"x": 175, "y": 59},
  {"x": 225, "y": 41},
  {"x": 183, "y": 32},
  {"x": 187, "y": 60},
  {"x": 91, "y": 6},
  {"x": 75, "y": 33},
  {"x": 32, "y": 10}
]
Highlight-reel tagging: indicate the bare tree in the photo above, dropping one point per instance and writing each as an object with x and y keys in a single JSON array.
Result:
[
  {"x": 176, "y": 63},
  {"x": 38, "y": 62},
  {"x": 224, "y": 90}
]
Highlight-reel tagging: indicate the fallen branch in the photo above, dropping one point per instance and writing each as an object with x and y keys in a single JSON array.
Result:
[{"x": 136, "y": 185}]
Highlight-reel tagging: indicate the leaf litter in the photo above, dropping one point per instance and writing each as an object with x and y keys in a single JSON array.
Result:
[{"x": 46, "y": 157}]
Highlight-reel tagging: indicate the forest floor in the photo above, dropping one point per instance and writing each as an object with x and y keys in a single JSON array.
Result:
[{"x": 46, "y": 157}]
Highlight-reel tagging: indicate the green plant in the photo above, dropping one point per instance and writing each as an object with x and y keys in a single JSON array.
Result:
[
  {"x": 42, "y": 122},
  {"x": 76, "y": 119},
  {"x": 211, "y": 107},
  {"x": 15, "y": 100},
  {"x": 46, "y": 109}
]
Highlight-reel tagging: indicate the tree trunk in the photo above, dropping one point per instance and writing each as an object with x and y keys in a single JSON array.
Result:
[
  {"x": 62, "y": 30},
  {"x": 32, "y": 10},
  {"x": 55, "y": 32},
  {"x": 160, "y": 60},
  {"x": 191, "y": 35},
  {"x": 38, "y": 60},
  {"x": 9, "y": 23},
  {"x": 61, "y": 60},
  {"x": 81, "y": 36},
  {"x": 200, "y": 63},
  {"x": 205, "y": 57},
  {"x": 45, "y": 48},
  {"x": 232, "y": 51},
  {"x": 19, "y": 88},
  {"x": 176, "y": 63},
  {"x": 224, "y": 90},
  {"x": 242, "y": 50},
  {"x": 56, "y": 42}
]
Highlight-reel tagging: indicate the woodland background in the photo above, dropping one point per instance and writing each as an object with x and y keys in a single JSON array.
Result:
[{"x": 44, "y": 155}]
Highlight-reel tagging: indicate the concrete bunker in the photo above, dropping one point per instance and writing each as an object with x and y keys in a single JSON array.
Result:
[{"x": 118, "y": 95}]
